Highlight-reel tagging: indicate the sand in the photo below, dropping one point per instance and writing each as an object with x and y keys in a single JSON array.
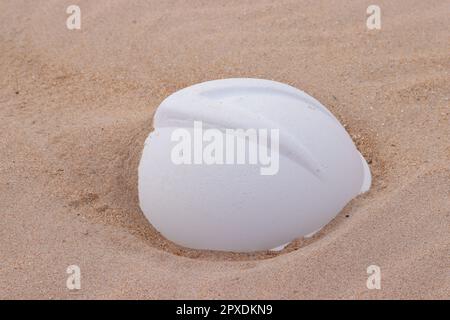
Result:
[{"x": 76, "y": 106}]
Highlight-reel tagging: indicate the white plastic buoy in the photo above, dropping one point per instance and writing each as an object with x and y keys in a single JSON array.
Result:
[{"x": 246, "y": 165}]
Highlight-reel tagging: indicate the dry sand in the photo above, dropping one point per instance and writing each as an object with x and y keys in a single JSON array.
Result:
[{"x": 76, "y": 106}]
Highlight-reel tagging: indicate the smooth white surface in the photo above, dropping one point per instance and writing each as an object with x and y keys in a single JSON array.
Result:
[{"x": 234, "y": 207}]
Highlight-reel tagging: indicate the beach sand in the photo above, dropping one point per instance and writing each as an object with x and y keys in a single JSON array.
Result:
[{"x": 76, "y": 106}]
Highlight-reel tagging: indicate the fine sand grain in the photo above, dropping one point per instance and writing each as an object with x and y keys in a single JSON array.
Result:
[{"x": 76, "y": 106}]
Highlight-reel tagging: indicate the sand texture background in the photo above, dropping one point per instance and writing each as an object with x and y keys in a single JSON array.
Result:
[{"x": 76, "y": 106}]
